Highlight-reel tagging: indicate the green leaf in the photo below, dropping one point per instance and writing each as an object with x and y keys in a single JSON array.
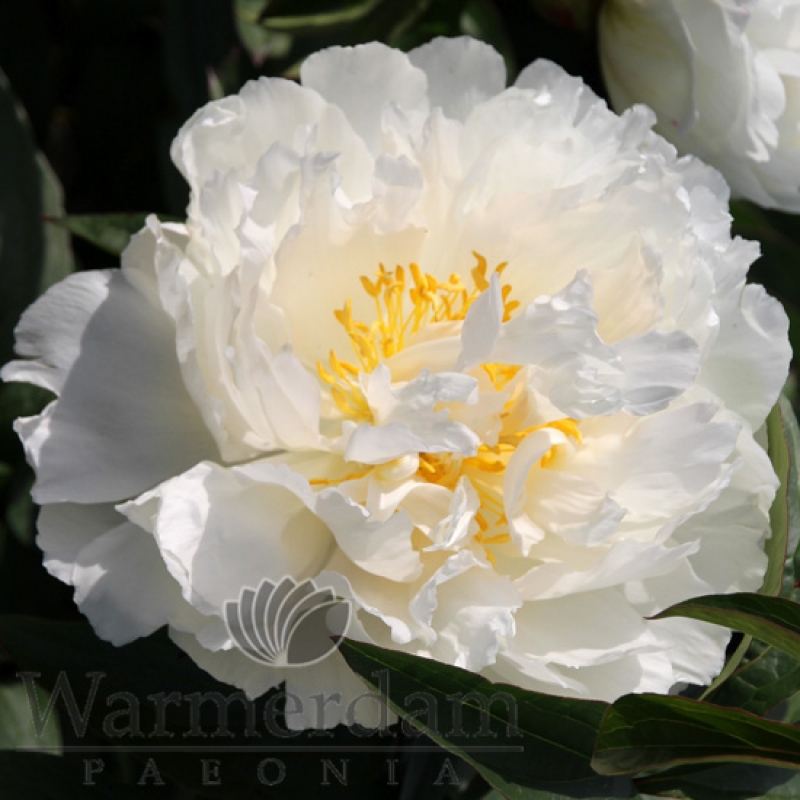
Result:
[
  {"x": 20, "y": 511},
  {"x": 761, "y": 684},
  {"x": 770, "y": 676},
  {"x": 58, "y": 261},
  {"x": 791, "y": 708},
  {"x": 31, "y": 258},
  {"x": 323, "y": 22},
  {"x": 529, "y": 739},
  {"x": 784, "y": 440},
  {"x": 259, "y": 42},
  {"x": 773, "y": 620},
  {"x": 18, "y": 728},
  {"x": 725, "y": 782},
  {"x": 522, "y": 793},
  {"x": 109, "y": 232},
  {"x": 731, "y": 665},
  {"x": 644, "y": 732},
  {"x": 440, "y": 18}
]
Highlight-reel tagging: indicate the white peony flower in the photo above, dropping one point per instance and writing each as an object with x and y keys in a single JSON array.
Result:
[
  {"x": 723, "y": 77},
  {"x": 480, "y": 360}
]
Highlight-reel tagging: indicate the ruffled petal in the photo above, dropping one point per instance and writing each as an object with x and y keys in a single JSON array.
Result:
[
  {"x": 330, "y": 693},
  {"x": 381, "y": 547},
  {"x": 461, "y": 73},
  {"x": 753, "y": 342},
  {"x": 64, "y": 529},
  {"x": 51, "y": 330},
  {"x": 230, "y": 666},
  {"x": 122, "y": 585},
  {"x": 121, "y": 582},
  {"x": 259, "y": 515},
  {"x": 466, "y": 611},
  {"x": 363, "y": 81},
  {"x": 407, "y": 422},
  {"x": 123, "y": 411}
]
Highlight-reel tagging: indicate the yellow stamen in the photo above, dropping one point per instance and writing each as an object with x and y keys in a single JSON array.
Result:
[
  {"x": 406, "y": 301},
  {"x": 485, "y": 471},
  {"x": 430, "y": 302}
]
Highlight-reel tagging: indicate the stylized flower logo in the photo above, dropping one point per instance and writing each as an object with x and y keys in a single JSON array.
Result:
[{"x": 288, "y": 624}]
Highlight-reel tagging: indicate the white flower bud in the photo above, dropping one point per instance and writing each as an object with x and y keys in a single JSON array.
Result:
[{"x": 723, "y": 77}]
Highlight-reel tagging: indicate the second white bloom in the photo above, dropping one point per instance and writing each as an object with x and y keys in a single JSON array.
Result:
[{"x": 723, "y": 79}]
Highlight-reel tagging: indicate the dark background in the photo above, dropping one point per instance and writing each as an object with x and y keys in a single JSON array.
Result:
[{"x": 105, "y": 85}]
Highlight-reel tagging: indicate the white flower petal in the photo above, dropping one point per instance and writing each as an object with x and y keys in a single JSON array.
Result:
[
  {"x": 382, "y": 548},
  {"x": 559, "y": 333},
  {"x": 64, "y": 529},
  {"x": 258, "y": 515},
  {"x": 461, "y": 73},
  {"x": 407, "y": 421},
  {"x": 424, "y": 604},
  {"x": 51, "y": 330},
  {"x": 397, "y": 187},
  {"x": 657, "y": 367},
  {"x": 233, "y": 134},
  {"x": 719, "y": 76},
  {"x": 627, "y": 44},
  {"x": 230, "y": 666},
  {"x": 642, "y": 672},
  {"x": 123, "y": 410},
  {"x": 697, "y": 653},
  {"x": 624, "y": 561},
  {"x": 731, "y": 530},
  {"x": 584, "y": 629},
  {"x": 739, "y": 350},
  {"x": 474, "y": 618},
  {"x": 466, "y": 611},
  {"x": 362, "y": 81},
  {"x": 329, "y": 693},
  {"x": 384, "y": 615},
  {"x": 523, "y": 529},
  {"x": 122, "y": 585},
  {"x": 453, "y": 527},
  {"x": 665, "y": 464},
  {"x": 481, "y": 327},
  {"x": 578, "y": 511},
  {"x": 289, "y": 398}
]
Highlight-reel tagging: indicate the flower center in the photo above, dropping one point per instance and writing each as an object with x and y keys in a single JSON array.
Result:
[
  {"x": 485, "y": 471},
  {"x": 396, "y": 321},
  {"x": 405, "y": 303}
]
